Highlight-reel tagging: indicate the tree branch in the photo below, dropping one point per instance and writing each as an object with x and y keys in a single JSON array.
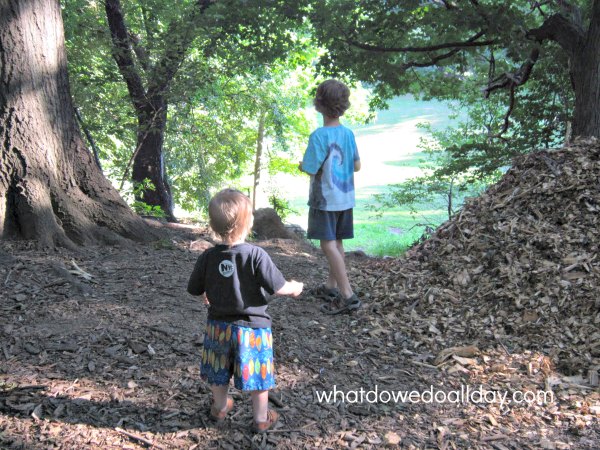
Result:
[
  {"x": 178, "y": 38},
  {"x": 122, "y": 52},
  {"x": 432, "y": 62},
  {"x": 445, "y": 3},
  {"x": 140, "y": 52},
  {"x": 471, "y": 42},
  {"x": 572, "y": 12},
  {"x": 515, "y": 79},
  {"x": 511, "y": 81},
  {"x": 561, "y": 30},
  {"x": 506, "y": 121}
]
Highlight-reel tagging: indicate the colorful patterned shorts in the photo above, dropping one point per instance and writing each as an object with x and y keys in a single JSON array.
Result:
[{"x": 246, "y": 353}]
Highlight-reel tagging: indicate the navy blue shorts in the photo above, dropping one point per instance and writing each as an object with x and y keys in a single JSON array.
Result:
[{"x": 330, "y": 225}]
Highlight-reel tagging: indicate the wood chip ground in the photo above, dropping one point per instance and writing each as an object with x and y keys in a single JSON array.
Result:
[{"x": 100, "y": 349}]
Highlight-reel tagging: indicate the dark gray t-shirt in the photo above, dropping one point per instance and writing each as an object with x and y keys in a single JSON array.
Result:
[{"x": 236, "y": 280}]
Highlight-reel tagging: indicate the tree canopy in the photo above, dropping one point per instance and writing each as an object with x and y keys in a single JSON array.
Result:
[
  {"x": 163, "y": 55},
  {"x": 433, "y": 47}
]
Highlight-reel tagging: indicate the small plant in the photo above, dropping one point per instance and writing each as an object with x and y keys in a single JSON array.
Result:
[
  {"x": 142, "y": 208},
  {"x": 281, "y": 206}
]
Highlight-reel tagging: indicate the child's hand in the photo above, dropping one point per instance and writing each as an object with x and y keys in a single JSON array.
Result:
[
  {"x": 291, "y": 288},
  {"x": 205, "y": 299},
  {"x": 300, "y": 166},
  {"x": 296, "y": 288}
]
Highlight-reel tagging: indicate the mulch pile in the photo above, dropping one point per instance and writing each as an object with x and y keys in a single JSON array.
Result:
[
  {"x": 520, "y": 265},
  {"x": 99, "y": 349}
]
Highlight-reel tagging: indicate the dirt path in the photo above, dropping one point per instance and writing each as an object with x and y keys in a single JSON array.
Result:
[{"x": 112, "y": 362}]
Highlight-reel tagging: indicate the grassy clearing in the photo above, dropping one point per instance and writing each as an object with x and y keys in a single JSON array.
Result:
[{"x": 390, "y": 233}]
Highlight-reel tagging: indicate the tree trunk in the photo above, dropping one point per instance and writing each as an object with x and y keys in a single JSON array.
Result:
[
  {"x": 585, "y": 75},
  {"x": 148, "y": 98},
  {"x": 586, "y": 117},
  {"x": 258, "y": 159},
  {"x": 50, "y": 188},
  {"x": 148, "y": 163}
]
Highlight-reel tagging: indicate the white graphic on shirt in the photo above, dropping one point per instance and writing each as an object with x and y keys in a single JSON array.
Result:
[{"x": 226, "y": 268}]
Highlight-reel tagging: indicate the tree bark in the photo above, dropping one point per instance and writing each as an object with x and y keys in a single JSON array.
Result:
[
  {"x": 585, "y": 75},
  {"x": 148, "y": 163},
  {"x": 586, "y": 83},
  {"x": 50, "y": 188},
  {"x": 258, "y": 158},
  {"x": 583, "y": 48}
]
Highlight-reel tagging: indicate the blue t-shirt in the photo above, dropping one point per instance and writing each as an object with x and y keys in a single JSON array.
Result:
[{"x": 329, "y": 159}]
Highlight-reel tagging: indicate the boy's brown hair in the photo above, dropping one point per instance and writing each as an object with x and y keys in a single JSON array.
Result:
[
  {"x": 332, "y": 98},
  {"x": 230, "y": 214}
]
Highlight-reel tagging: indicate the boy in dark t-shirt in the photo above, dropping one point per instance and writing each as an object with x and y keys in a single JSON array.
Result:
[{"x": 236, "y": 278}]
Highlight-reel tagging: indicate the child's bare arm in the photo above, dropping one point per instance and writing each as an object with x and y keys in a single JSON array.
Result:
[{"x": 291, "y": 288}]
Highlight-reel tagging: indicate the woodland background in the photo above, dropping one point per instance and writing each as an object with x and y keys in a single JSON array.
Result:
[{"x": 114, "y": 111}]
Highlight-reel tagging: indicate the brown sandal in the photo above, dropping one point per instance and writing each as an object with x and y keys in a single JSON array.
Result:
[
  {"x": 340, "y": 305},
  {"x": 322, "y": 292},
  {"x": 219, "y": 416},
  {"x": 272, "y": 418}
]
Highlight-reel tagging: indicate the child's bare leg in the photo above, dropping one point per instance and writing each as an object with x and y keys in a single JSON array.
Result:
[
  {"x": 340, "y": 246},
  {"x": 331, "y": 281},
  {"x": 260, "y": 405},
  {"x": 219, "y": 394},
  {"x": 334, "y": 252}
]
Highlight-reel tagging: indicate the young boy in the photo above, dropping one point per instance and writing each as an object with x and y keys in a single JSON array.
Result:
[
  {"x": 331, "y": 159},
  {"x": 238, "y": 342}
]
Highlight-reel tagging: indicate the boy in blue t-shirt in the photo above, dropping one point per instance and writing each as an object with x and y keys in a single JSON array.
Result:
[{"x": 331, "y": 159}]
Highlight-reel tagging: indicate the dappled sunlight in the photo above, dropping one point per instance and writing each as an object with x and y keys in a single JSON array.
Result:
[{"x": 418, "y": 389}]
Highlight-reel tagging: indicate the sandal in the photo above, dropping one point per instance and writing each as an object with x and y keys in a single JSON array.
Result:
[
  {"x": 219, "y": 416},
  {"x": 272, "y": 418},
  {"x": 340, "y": 305},
  {"x": 324, "y": 293}
]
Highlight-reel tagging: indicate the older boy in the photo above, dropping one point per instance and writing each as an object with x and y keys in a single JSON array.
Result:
[{"x": 331, "y": 159}]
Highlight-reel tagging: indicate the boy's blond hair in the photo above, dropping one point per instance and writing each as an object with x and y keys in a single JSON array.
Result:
[
  {"x": 332, "y": 98},
  {"x": 230, "y": 214}
]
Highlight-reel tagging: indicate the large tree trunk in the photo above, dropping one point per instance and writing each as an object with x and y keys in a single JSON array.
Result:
[
  {"x": 50, "y": 188},
  {"x": 586, "y": 82},
  {"x": 148, "y": 163},
  {"x": 585, "y": 75},
  {"x": 582, "y": 45}
]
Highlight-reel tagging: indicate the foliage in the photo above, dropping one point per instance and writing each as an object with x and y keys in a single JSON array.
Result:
[
  {"x": 143, "y": 208},
  {"x": 281, "y": 205},
  {"x": 455, "y": 51},
  {"x": 464, "y": 159},
  {"x": 220, "y": 127},
  {"x": 230, "y": 75},
  {"x": 459, "y": 51},
  {"x": 96, "y": 86}
]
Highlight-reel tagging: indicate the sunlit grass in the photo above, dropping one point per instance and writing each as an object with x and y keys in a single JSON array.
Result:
[
  {"x": 389, "y": 233},
  {"x": 410, "y": 160}
]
